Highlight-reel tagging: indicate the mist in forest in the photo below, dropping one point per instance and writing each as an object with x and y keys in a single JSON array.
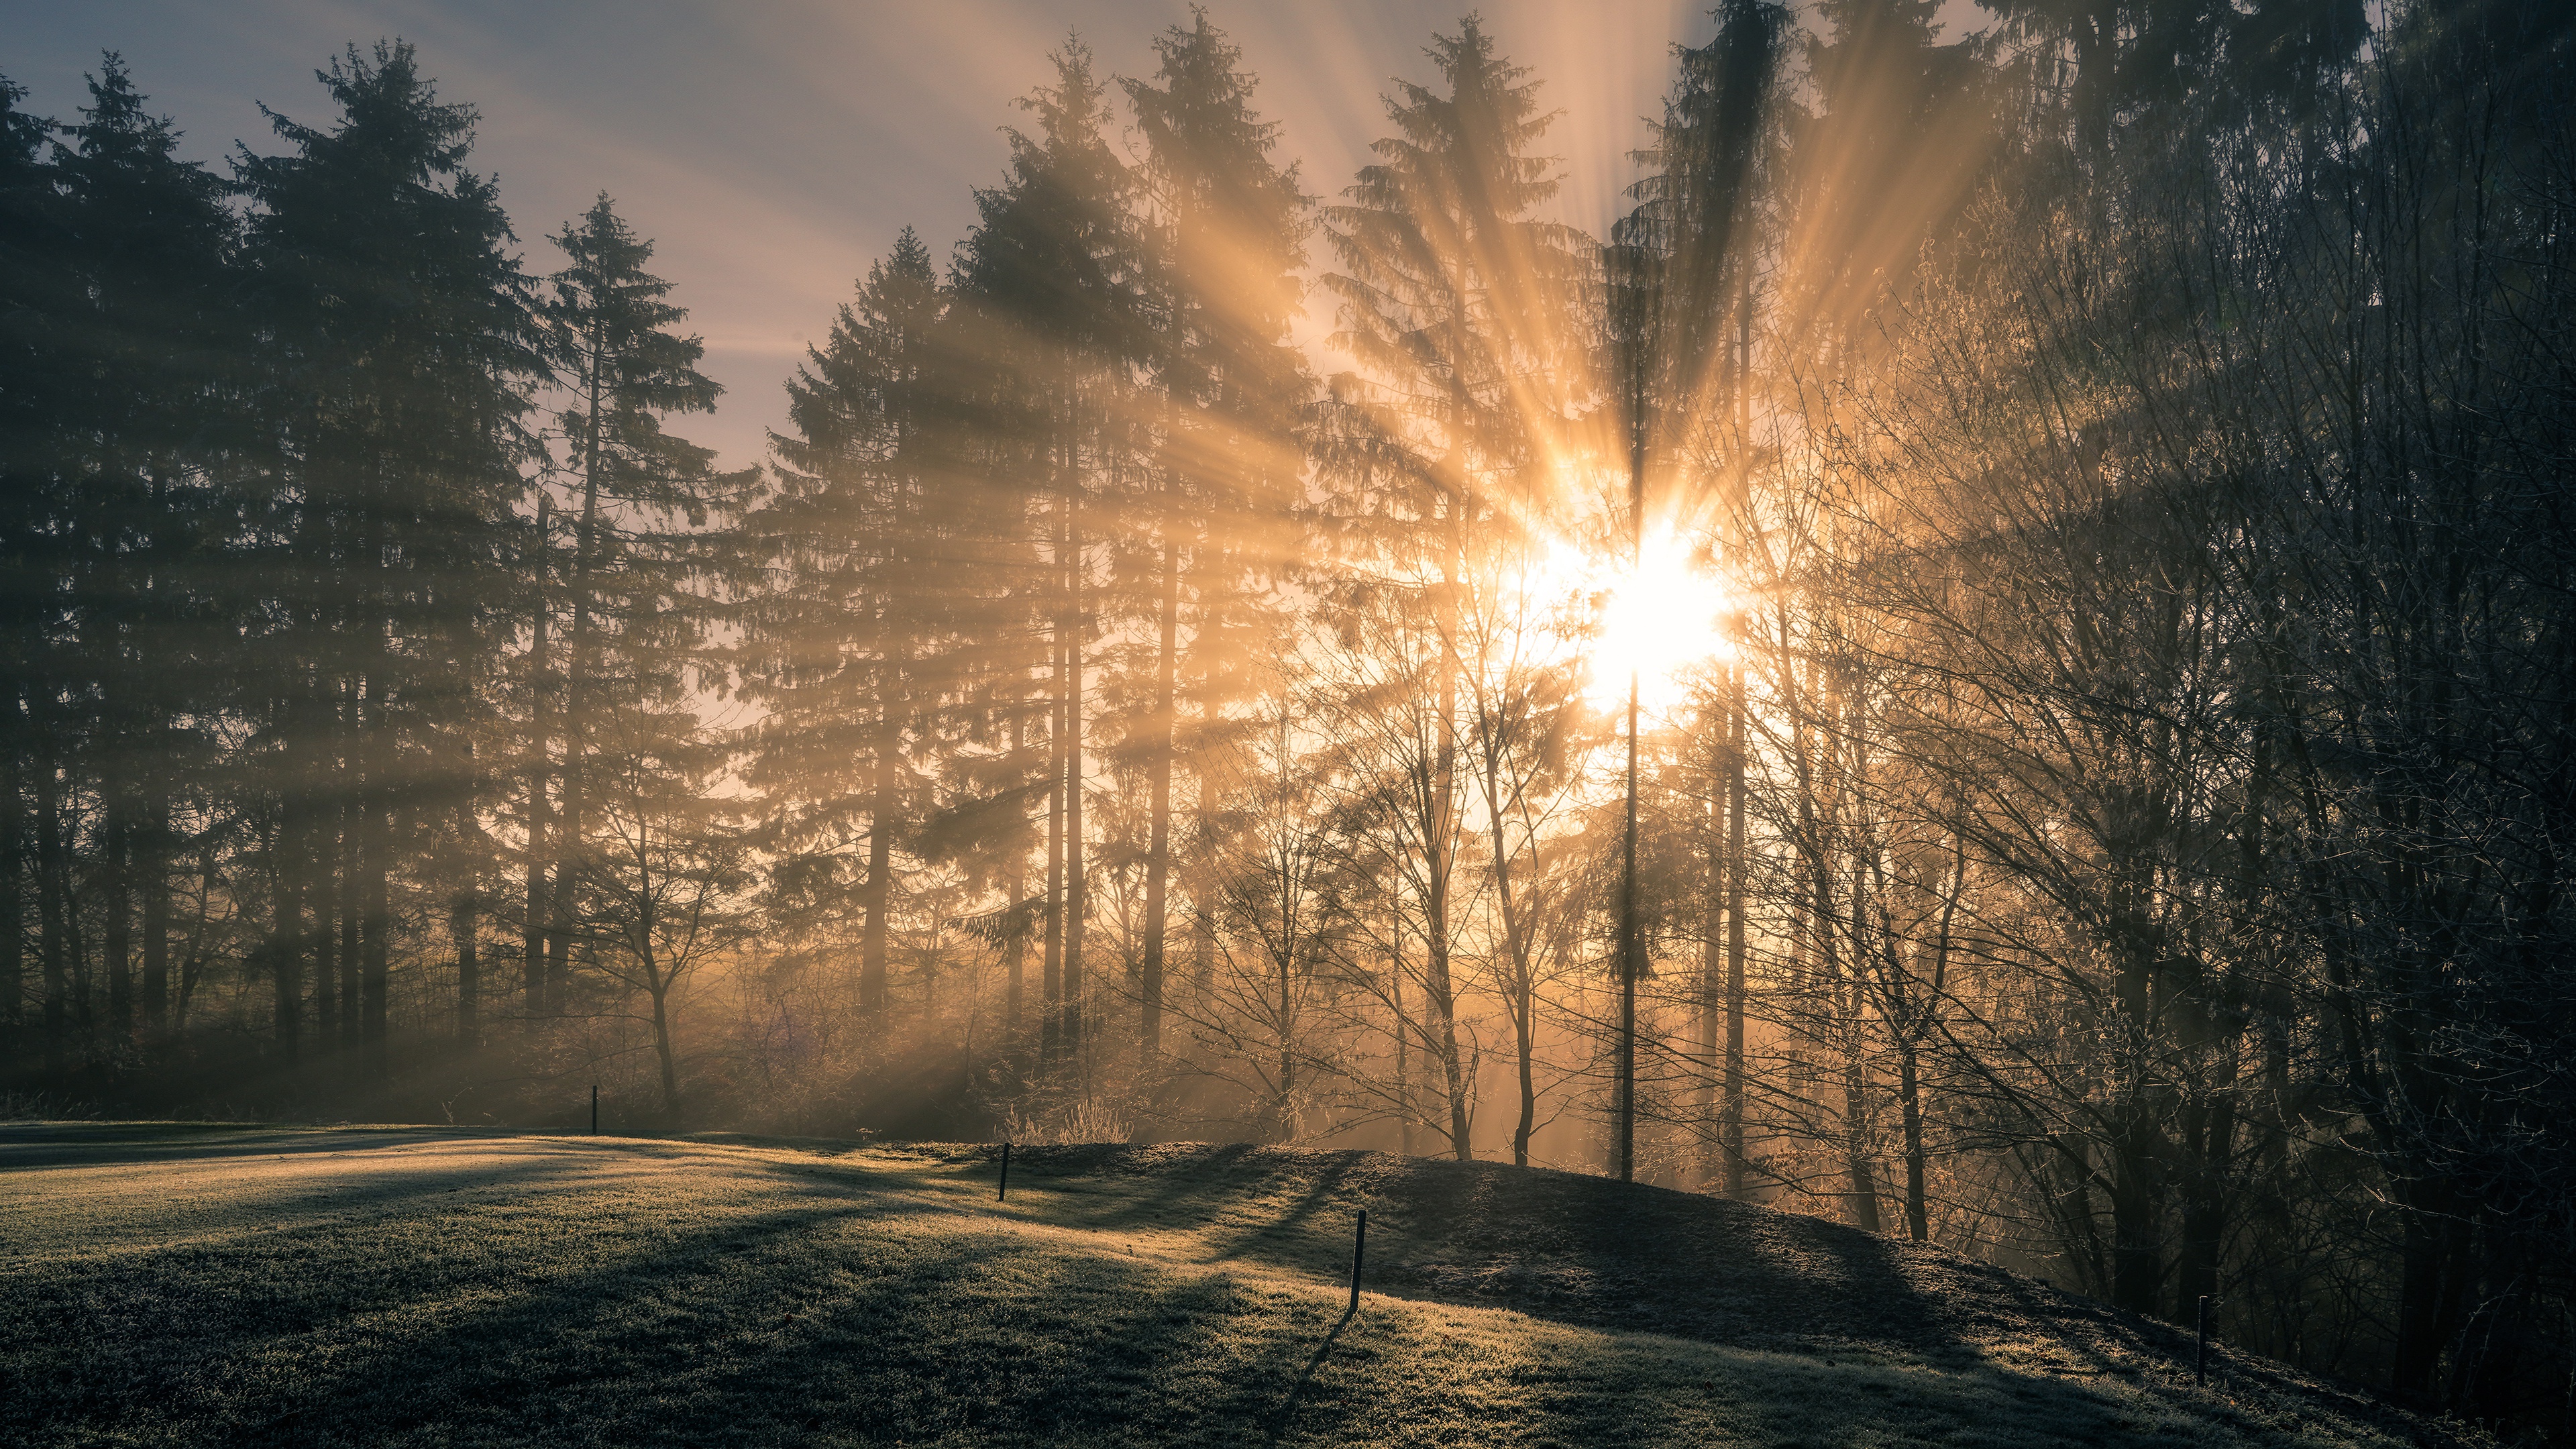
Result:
[{"x": 1990, "y": 659}]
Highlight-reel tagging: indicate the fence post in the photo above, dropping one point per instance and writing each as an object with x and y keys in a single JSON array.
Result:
[
  {"x": 1005, "y": 1193},
  {"x": 1359, "y": 1248},
  {"x": 2200, "y": 1365}
]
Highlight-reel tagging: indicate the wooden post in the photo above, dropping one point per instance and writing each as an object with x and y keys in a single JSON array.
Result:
[
  {"x": 1359, "y": 1248},
  {"x": 1006, "y": 1174},
  {"x": 594, "y": 1109},
  {"x": 2200, "y": 1365}
]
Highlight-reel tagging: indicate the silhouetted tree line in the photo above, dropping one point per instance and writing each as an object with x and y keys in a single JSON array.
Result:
[{"x": 2113, "y": 819}]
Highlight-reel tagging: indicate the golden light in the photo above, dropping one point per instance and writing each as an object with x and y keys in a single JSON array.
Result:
[{"x": 1659, "y": 618}]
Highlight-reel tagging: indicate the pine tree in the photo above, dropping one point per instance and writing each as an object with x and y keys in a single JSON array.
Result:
[
  {"x": 1693, "y": 248},
  {"x": 637, "y": 492},
  {"x": 33, "y": 285},
  {"x": 1048, "y": 281},
  {"x": 153, "y": 352},
  {"x": 116, "y": 352},
  {"x": 401, "y": 349},
  {"x": 1227, "y": 235},
  {"x": 836, "y": 641},
  {"x": 1870, "y": 200},
  {"x": 1459, "y": 306}
]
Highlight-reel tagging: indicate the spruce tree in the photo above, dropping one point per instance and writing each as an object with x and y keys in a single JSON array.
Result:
[
  {"x": 836, "y": 642},
  {"x": 153, "y": 363},
  {"x": 114, "y": 358},
  {"x": 1218, "y": 511},
  {"x": 1049, "y": 282},
  {"x": 33, "y": 285},
  {"x": 1459, "y": 305},
  {"x": 633, "y": 613},
  {"x": 1691, "y": 251},
  {"x": 401, "y": 347}
]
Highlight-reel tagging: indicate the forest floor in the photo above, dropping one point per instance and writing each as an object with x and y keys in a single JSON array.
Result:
[{"x": 184, "y": 1285}]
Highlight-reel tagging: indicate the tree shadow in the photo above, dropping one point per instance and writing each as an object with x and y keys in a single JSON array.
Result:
[
  {"x": 1288, "y": 1406},
  {"x": 594, "y": 1309},
  {"x": 1586, "y": 1251},
  {"x": 25, "y": 1146}
]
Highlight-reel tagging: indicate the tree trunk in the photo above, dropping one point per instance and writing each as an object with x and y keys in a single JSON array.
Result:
[
  {"x": 184, "y": 990},
  {"x": 2072, "y": 1161},
  {"x": 1524, "y": 994},
  {"x": 1403, "y": 1032},
  {"x": 1158, "y": 850},
  {"x": 879, "y": 894},
  {"x": 375, "y": 859},
  {"x": 662, "y": 1049},
  {"x": 1015, "y": 981},
  {"x": 1737, "y": 856},
  {"x": 330, "y": 897},
  {"x": 1287, "y": 1022},
  {"x": 53, "y": 910},
  {"x": 540, "y": 806},
  {"x": 1437, "y": 846},
  {"x": 117, "y": 939},
  {"x": 1051, "y": 969},
  {"x": 348, "y": 904},
  {"x": 1856, "y": 1163},
  {"x": 1631, "y": 947},
  {"x": 154, "y": 879},
  {"x": 1201, "y": 877},
  {"x": 1525, "y": 1034},
  {"x": 1909, "y": 1103},
  {"x": 2209, "y": 1139},
  {"x": 1444, "y": 1012},
  {"x": 561, "y": 894},
  {"x": 2137, "y": 1248},
  {"x": 1709, "y": 1004},
  {"x": 1861, "y": 1184},
  {"x": 13, "y": 889},
  {"x": 581, "y": 666},
  {"x": 1077, "y": 899},
  {"x": 286, "y": 939}
]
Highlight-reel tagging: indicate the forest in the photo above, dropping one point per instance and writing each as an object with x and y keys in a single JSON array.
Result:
[{"x": 1995, "y": 660}]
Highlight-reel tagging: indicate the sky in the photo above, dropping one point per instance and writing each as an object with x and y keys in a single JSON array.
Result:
[{"x": 773, "y": 148}]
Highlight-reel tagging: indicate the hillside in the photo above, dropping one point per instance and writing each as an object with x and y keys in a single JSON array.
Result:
[{"x": 171, "y": 1284}]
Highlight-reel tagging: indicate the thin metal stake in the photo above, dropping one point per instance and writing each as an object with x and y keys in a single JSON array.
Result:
[
  {"x": 1359, "y": 1247},
  {"x": 594, "y": 1109},
  {"x": 1006, "y": 1174},
  {"x": 2200, "y": 1368}
]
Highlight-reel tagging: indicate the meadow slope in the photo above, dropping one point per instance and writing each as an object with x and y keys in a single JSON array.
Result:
[{"x": 187, "y": 1285}]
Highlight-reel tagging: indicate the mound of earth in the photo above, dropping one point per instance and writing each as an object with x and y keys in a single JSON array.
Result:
[{"x": 1605, "y": 1254}]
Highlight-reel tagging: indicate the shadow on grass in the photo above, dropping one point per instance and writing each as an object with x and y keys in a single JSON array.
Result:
[
  {"x": 1563, "y": 1246},
  {"x": 642, "y": 1307},
  {"x": 1242, "y": 1204},
  {"x": 52, "y": 1144},
  {"x": 1586, "y": 1251},
  {"x": 773, "y": 1328},
  {"x": 1306, "y": 1375}
]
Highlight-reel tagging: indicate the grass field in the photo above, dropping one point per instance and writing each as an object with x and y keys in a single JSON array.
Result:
[{"x": 173, "y": 1284}]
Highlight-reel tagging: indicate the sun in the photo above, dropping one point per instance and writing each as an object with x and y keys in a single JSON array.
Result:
[{"x": 1659, "y": 618}]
